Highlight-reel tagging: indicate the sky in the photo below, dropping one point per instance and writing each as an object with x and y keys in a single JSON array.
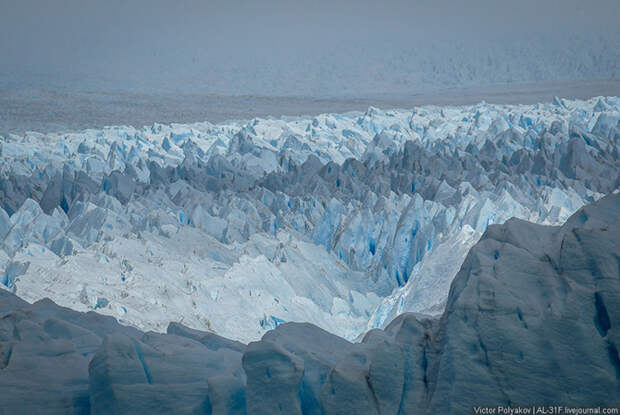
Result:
[{"x": 294, "y": 48}]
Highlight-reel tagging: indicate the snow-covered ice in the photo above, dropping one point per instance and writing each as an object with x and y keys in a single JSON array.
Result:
[
  {"x": 340, "y": 220},
  {"x": 528, "y": 300}
]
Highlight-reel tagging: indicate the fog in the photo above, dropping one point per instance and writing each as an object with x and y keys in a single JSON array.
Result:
[{"x": 322, "y": 48}]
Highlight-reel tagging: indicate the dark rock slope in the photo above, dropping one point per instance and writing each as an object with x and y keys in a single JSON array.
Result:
[{"x": 532, "y": 318}]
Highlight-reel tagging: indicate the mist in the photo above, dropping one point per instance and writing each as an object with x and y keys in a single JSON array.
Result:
[{"x": 318, "y": 48}]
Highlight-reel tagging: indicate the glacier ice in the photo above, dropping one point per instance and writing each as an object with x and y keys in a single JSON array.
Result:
[
  {"x": 341, "y": 220},
  {"x": 527, "y": 300}
]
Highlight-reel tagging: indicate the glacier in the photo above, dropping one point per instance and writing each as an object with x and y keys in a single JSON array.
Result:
[
  {"x": 531, "y": 317},
  {"x": 341, "y": 220}
]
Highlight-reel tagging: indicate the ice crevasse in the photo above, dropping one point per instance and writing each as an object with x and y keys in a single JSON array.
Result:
[{"x": 340, "y": 220}]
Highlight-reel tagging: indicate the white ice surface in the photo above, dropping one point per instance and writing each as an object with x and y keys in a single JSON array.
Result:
[{"x": 217, "y": 269}]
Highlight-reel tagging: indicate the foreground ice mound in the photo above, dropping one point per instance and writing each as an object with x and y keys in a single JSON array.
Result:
[
  {"x": 341, "y": 220},
  {"x": 532, "y": 317}
]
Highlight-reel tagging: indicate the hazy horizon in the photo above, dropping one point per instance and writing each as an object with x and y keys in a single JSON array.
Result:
[{"x": 279, "y": 48}]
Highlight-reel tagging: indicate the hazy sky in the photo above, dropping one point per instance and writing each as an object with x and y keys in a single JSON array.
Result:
[{"x": 293, "y": 48}]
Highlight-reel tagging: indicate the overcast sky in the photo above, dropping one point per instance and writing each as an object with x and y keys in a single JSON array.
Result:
[{"x": 280, "y": 47}]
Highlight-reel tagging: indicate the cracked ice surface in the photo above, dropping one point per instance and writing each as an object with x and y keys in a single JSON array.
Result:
[{"x": 341, "y": 220}]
